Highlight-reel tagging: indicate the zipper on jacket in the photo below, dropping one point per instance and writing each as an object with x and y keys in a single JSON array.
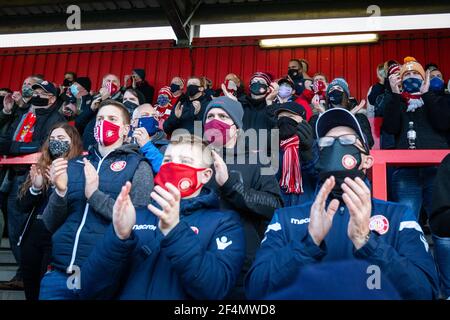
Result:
[{"x": 83, "y": 221}]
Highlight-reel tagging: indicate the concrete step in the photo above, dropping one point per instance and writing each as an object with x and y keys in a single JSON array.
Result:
[
  {"x": 12, "y": 295},
  {"x": 5, "y": 243},
  {"x": 7, "y": 272},
  {"x": 6, "y": 256}
]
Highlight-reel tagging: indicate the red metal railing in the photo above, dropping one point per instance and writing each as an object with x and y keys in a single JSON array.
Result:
[{"x": 382, "y": 158}]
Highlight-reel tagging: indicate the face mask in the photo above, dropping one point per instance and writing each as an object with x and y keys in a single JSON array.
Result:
[
  {"x": 112, "y": 88},
  {"x": 436, "y": 84},
  {"x": 182, "y": 176},
  {"x": 231, "y": 86},
  {"x": 217, "y": 132},
  {"x": 382, "y": 73},
  {"x": 412, "y": 85},
  {"x": 149, "y": 123},
  {"x": 336, "y": 97},
  {"x": 174, "y": 87},
  {"x": 162, "y": 100},
  {"x": 67, "y": 83},
  {"x": 294, "y": 73},
  {"x": 1, "y": 100},
  {"x": 74, "y": 90},
  {"x": 130, "y": 105},
  {"x": 106, "y": 133},
  {"x": 37, "y": 101},
  {"x": 258, "y": 88},
  {"x": 27, "y": 91},
  {"x": 341, "y": 162},
  {"x": 192, "y": 90},
  {"x": 285, "y": 91},
  {"x": 319, "y": 86},
  {"x": 287, "y": 127},
  {"x": 57, "y": 148}
]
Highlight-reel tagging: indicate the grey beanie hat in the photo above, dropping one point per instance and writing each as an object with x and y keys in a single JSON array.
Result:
[{"x": 230, "y": 106}]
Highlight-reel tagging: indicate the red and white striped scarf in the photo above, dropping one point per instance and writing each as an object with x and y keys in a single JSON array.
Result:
[{"x": 291, "y": 179}]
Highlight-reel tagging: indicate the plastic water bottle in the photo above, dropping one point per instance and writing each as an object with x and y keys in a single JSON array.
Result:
[{"x": 411, "y": 136}]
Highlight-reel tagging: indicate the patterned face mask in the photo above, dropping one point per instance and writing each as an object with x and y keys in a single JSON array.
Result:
[{"x": 58, "y": 148}]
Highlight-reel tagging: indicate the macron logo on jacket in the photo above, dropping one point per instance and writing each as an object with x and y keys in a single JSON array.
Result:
[
  {"x": 144, "y": 227},
  {"x": 223, "y": 243}
]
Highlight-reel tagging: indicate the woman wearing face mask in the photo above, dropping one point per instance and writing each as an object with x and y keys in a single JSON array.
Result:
[
  {"x": 338, "y": 96},
  {"x": 189, "y": 109},
  {"x": 80, "y": 209},
  {"x": 132, "y": 99},
  {"x": 35, "y": 241}
]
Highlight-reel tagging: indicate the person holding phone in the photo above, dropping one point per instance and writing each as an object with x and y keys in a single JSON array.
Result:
[{"x": 147, "y": 134}]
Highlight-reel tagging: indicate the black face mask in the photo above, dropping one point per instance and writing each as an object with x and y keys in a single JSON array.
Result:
[
  {"x": 37, "y": 101},
  {"x": 295, "y": 74},
  {"x": 341, "y": 162},
  {"x": 67, "y": 83},
  {"x": 336, "y": 97},
  {"x": 130, "y": 105},
  {"x": 287, "y": 127},
  {"x": 57, "y": 148},
  {"x": 192, "y": 90},
  {"x": 258, "y": 88},
  {"x": 174, "y": 87}
]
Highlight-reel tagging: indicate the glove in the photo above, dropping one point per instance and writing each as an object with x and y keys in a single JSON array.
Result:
[{"x": 305, "y": 133}]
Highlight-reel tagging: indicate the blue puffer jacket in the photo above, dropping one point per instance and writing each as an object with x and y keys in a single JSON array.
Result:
[
  {"x": 83, "y": 228},
  {"x": 199, "y": 259},
  {"x": 400, "y": 251}
]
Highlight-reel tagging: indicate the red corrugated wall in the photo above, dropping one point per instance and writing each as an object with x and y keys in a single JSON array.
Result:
[{"x": 216, "y": 57}]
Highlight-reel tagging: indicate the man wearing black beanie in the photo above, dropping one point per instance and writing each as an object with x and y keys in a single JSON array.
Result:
[{"x": 139, "y": 83}]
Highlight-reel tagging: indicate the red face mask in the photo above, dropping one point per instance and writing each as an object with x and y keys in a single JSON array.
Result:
[
  {"x": 182, "y": 176},
  {"x": 217, "y": 132},
  {"x": 106, "y": 133},
  {"x": 231, "y": 86},
  {"x": 112, "y": 87},
  {"x": 319, "y": 86}
]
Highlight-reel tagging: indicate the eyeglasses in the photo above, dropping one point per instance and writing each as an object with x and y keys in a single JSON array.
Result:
[{"x": 344, "y": 140}]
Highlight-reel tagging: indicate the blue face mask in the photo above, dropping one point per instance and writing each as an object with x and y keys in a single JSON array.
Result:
[
  {"x": 162, "y": 100},
  {"x": 436, "y": 84},
  {"x": 149, "y": 123},
  {"x": 74, "y": 90},
  {"x": 412, "y": 85}
]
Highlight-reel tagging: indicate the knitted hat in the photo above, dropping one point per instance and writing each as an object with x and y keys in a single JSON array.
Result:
[
  {"x": 166, "y": 91},
  {"x": 265, "y": 76},
  {"x": 140, "y": 73},
  {"x": 85, "y": 82},
  {"x": 411, "y": 64},
  {"x": 341, "y": 83},
  {"x": 232, "y": 107}
]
